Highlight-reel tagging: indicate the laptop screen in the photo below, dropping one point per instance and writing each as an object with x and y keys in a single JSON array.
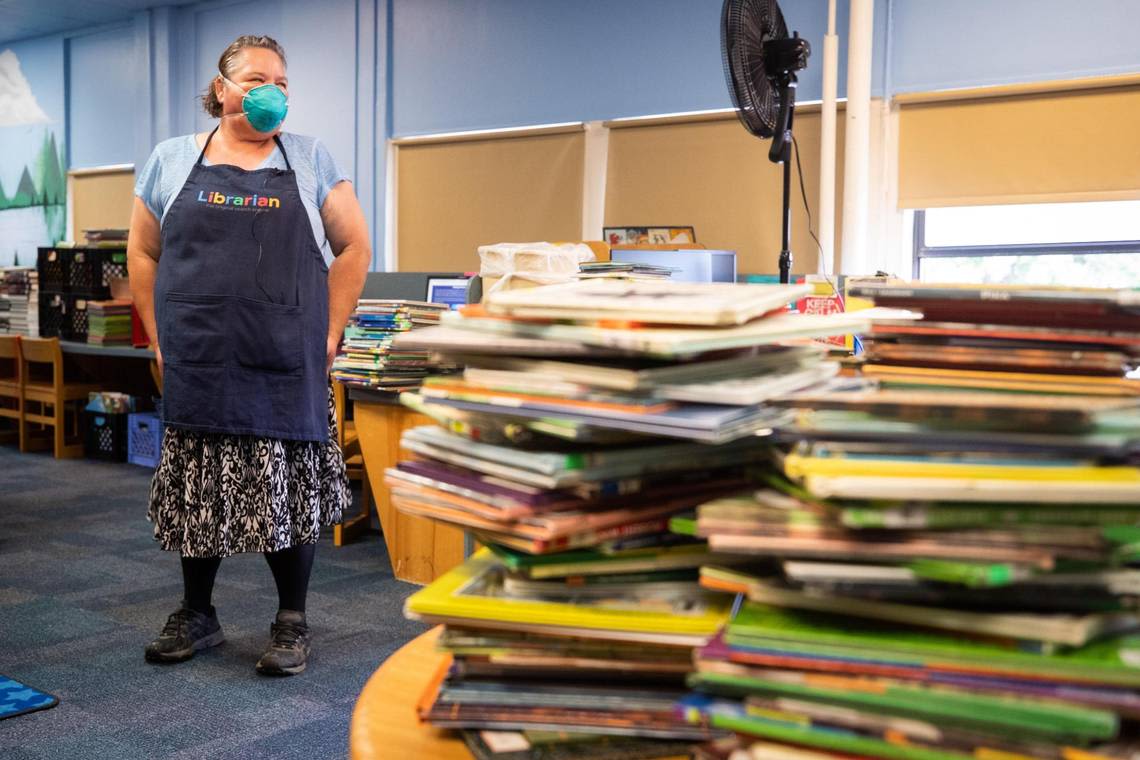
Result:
[{"x": 447, "y": 290}]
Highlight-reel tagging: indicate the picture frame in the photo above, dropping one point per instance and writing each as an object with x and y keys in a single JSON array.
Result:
[{"x": 650, "y": 235}]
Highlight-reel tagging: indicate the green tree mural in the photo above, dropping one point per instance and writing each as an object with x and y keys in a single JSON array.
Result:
[
  {"x": 49, "y": 168},
  {"x": 26, "y": 194},
  {"x": 44, "y": 184}
]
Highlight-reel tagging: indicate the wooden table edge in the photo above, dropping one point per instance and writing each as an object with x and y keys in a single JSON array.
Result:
[{"x": 384, "y": 720}]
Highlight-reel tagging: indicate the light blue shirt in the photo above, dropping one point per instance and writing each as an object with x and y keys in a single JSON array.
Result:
[{"x": 165, "y": 172}]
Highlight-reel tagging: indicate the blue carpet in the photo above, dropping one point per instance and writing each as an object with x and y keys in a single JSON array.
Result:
[
  {"x": 84, "y": 587},
  {"x": 18, "y": 699}
]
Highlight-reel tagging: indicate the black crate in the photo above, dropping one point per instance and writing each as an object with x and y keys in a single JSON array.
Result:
[
  {"x": 54, "y": 267},
  {"x": 53, "y": 315},
  {"x": 105, "y": 435},
  {"x": 92, "y": 270},
  {"x": 75, "y": 320}
]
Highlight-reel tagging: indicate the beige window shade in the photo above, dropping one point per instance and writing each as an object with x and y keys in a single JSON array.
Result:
[
  {"x": 715, "y": 176},
  {"x": 455, "y": 196},
  {"x": 101, "y": 199},
  {"x": 1044, "y": 147}
]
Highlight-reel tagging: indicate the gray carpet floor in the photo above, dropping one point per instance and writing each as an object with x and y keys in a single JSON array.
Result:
[{"x": 84, "y": 587}]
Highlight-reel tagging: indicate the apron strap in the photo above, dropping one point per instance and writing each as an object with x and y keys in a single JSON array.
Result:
[
  {"x": 202, "y": 153},
  {"x": 276, "y": 139},
  {"x": 284, "y": 155}
]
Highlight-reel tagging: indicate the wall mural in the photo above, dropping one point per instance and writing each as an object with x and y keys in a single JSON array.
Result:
[{"x": 33, "y": 181}]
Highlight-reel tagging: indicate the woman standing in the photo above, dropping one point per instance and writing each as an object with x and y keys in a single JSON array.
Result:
[{"x": 228, "y": 275}]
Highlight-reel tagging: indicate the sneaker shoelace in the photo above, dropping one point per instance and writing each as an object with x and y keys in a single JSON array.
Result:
[
  {"x": 178, "y": 623},
  {"x": 288, "y": 635}
]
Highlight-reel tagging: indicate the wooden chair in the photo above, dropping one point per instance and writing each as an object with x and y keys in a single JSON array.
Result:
[
  {"x": 11, "y": 388},
  {"x": 41, "y": 366},
  {"x": 349, "y": 442}
]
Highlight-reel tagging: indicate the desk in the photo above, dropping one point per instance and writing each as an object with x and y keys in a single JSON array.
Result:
[
  {"x": 384, "y": 721},
  {"x": 115, "y": 368},
  {"x": 419, "y": 549},
  {"x": 88, "y": 349}
]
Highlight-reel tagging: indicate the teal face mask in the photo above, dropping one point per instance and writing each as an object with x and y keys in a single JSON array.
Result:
[{"x": 264, "y": 106}]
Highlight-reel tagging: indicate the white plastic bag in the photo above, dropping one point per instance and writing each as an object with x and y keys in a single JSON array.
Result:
[{"x": 538, "y": 263}]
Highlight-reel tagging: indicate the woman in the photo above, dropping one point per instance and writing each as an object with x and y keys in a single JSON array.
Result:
[{"x": 228, "y": 275}]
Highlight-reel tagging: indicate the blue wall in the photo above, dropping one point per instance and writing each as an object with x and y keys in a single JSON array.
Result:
[
  {"x": 37, "y": 119},
  {"x": 488, "y": 63},
  {"x": 133, "y": 84},
  {"x": 41, "y": 63},
  {"x": 365, "y": 70},
  {"x": 103, "y": 114},
  {"x": 937, "y": 44},
  {"x": 476, "y": 64}
]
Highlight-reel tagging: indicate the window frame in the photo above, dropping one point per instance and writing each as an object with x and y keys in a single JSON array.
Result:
[{"x": 923, "y": 251}]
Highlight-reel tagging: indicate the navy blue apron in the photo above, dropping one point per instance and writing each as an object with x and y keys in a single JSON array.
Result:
[{"x": 241, "y": 302}]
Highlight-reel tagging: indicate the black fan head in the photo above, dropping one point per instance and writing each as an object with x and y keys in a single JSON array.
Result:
[{"x": 745, "y": 26}]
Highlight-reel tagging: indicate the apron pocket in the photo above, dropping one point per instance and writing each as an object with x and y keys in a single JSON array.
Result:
[
  {"x": 266, "y": 336},
  {"x": 193, "y": 329}
]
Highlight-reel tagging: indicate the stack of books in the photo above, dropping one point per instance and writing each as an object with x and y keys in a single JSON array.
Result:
[
  {"x": 6, "y": 307},
  {"x": 106, "y": 238},
  {"x": 19, "y": 302},
  {"x": 568, "y": 457},
  {"x": 109, "y": 323},
  {"x": 563, "y": 496},
  {"x": 367, "y": 358},
  {"x": 943, "y": 560},
  {"x": 1023, "y": 339},
  {"x": 620, "y": 270},
  {"x": 692, "y": 361}
]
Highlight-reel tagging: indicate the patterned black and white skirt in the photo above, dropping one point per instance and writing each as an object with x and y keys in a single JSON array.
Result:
[{"x": 214, "y": 495}]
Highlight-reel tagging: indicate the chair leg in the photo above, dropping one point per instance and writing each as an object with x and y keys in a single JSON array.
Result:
[
  {"x": 76, "y": 449},
  {"x": 63, "y": 449},
  {"x": 352, "y": 527},
  {"x": 59, "y": 431},
  {"x": 33, "y": 435},
  {"x": 25, "y": 435}
]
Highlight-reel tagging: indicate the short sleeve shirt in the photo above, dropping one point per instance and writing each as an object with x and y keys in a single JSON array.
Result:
[{"x": 165, "y": 172}]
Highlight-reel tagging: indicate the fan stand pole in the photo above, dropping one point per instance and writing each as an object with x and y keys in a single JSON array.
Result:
[
  {"x": 782, "y": 151},
  {"x": 786, "y": 233}
]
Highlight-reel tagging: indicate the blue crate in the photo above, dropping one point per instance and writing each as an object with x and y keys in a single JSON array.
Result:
[{"x": 144, "y": 438}]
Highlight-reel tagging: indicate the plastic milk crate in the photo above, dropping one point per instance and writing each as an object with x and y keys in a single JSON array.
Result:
[
  {"x": 92, "y": 270},
  {"x": 144, "y": 438},
  {"x": 53, "y": 315},
  {"x": 106, "y": 435},
  {"x": 54, "y": 267},
  {"x": 75, "y": 320}
]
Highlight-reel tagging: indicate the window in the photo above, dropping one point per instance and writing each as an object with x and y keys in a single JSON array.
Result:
[{"x": 1079, "y": 244}]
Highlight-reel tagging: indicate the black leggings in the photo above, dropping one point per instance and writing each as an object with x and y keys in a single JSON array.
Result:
[{"x": 291, "y": 568}]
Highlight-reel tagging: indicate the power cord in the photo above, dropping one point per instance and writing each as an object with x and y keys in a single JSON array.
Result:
[
  {"x": 858, "y": 344},
  {"x": 811, "y": 223}
]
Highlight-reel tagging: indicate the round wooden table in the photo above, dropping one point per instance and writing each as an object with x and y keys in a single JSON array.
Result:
[{"x": 384, "y": 721}]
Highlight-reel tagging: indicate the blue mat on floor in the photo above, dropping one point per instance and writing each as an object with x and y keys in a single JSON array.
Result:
[{"x": 17, "y": 698}]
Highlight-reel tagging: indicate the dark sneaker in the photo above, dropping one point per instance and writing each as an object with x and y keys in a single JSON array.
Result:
[
  {"x": 186, "y": 631},
  {"x": 288, "y": 650}
]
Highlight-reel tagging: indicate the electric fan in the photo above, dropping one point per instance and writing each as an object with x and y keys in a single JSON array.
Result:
[{"x": 760, "y": 65}]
